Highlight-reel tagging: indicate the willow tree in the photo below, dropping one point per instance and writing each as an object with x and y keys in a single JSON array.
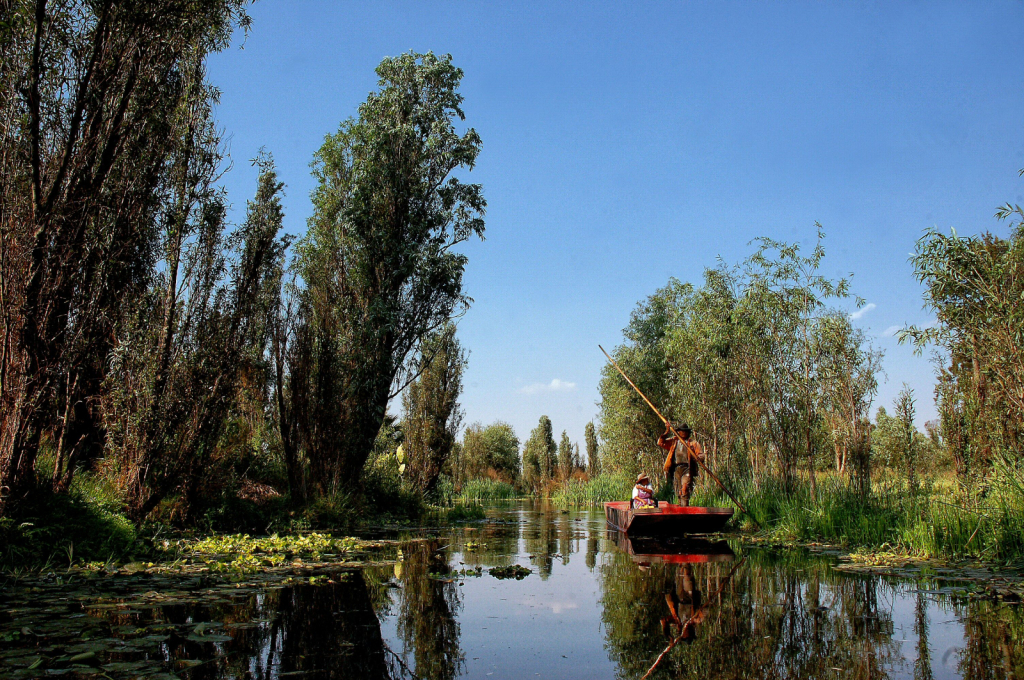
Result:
[
  {"x": 785, "y": 301},
  {"x": 378, "y": 261},
  {"x": 848, "y": 368},
  {"x": 975, "y": 285},
  {"x": 540, "y": 455},
  {"x": 88, "y": 99},
  {"x": 705, "y": 352},
  {"x": 432, "y": 413},
  {"x": 629, "y": 428},
  {"x": 593, "y": 458},
  {"x": 566, "y": 456},
  {"x": 200, "y": 330}
]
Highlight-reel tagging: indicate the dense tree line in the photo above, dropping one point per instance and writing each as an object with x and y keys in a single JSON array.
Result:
[
  {"x": 493, "y": 452},
  {"x": 775, "y": 380},
  {"x": 177, "y": 357},
  {"x": 769, "y": 374}
]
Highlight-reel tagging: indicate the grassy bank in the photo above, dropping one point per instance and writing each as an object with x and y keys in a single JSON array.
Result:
[
  {"x": 51, "y": 530},
  {"x": 477, "y": 490},
  {"x": 600, "y": 489},
  {"x": 933, "y": 521},
  {"x": 936, "y": 520},
  {"x": 89, "y": 525}
]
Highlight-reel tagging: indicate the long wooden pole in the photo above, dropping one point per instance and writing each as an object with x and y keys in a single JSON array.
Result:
[{"x": 672, "y": 429}]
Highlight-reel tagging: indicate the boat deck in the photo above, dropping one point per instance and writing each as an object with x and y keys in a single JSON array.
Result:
[{"x": 667, "y": 519}]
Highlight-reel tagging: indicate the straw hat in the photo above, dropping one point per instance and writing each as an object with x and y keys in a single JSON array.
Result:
[{"x": 642, "y": 477}]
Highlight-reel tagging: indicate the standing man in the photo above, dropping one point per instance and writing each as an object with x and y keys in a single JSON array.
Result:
[{"x": 681, "y": 463}]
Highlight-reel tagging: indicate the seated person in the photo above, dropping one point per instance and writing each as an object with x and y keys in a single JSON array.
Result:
[{"x": 643, "y": 494}]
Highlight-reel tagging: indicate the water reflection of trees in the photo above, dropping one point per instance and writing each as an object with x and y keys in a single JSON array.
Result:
[
  {"x": 494, "y": 545},
  {"x": 324, "y": 631},
  {"x": 540, "y": 538},
  {"x": 330, "y": 630},
  {"x": 427, "y": 611},
  {"x": 784, "y": 616},
  {"x": 551, "y": 534},
  {"x": 992, "y": 632},
  {"x": 769, "y": 621}
]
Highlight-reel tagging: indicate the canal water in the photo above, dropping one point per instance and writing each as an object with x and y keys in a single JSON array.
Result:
[{"x": 594, "y": 605}]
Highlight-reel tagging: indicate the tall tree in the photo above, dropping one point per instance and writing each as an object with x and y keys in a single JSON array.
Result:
[
  {"x": 975, "y": 285},
  {"x": 848, "y": 368},
  {"x": 786, "y": 300},
  {"x": 593, "y": 459},
  {"x": 502, "y": 446},
  {"x": 432, "y": 414},
  {"x": 379, "y": 261},
  {"x": 203, "y": 326},
  {"x": 905, "y": 410},
  {"x": 566, "y": 461},
  {"x": 89, "y": 95},
  {"x": 540, "y": 455},
  {"x": 628, "y": 427}
]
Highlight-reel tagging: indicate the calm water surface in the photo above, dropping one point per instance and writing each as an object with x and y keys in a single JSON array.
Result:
[{"x": 594, "y": 606}]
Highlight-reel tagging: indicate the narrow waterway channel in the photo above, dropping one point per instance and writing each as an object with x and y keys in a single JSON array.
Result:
[{"x": 593, "y": 606}]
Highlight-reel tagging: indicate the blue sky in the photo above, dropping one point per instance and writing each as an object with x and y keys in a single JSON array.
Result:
[{"x": 624, "y": 143}]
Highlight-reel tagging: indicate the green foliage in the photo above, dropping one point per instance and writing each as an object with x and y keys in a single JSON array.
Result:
[
  {"x": 432, "y": 414},
  {"x": 458, "y": 512},
  {"x": 111, "y": 99},
  {"x": 930, "y": 523},
  {"x": 176, "y": 376},
  {"x": 907, "y": 435},
  {"x": 484, "y": 489},
  {"x": 606, "y": 487},
  {"x": 768, "y": 375},
  {"x": 491, "y": 450},
  {"x": 378, "y": 260},
  {"x": 384, "y": 468},
  {"x": 85, "y": 524},
  {"x": 593, "y": 456},
  {"x": 975, "y": 286},
  {"x": 627, "y": 423},
  {"x": 242, "y": 554},
  {"x": 515, "y": 571},
  {"x": 566, "y": 457},
  {"x": 540, "y": 455}
]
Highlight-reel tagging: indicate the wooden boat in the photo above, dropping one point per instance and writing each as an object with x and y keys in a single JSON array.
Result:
[
  {"x": 666, "y": 519},
  {"x": 647, "y": 550}
]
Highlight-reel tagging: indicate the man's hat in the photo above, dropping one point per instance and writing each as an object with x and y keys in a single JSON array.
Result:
[{"x": 685, "y": 428}]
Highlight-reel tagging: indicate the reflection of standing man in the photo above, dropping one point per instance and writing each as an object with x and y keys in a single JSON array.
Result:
[
  {"x": 684, "y": 606},
  {"x": 681, "y": 465}
]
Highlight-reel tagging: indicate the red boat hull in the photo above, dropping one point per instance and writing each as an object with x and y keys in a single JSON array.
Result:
[{"x": 666, "y": 520}]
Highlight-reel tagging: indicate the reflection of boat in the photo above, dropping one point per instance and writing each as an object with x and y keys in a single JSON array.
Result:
[
  {"x": 666, "y": 519},
  {"x": 652, "y": 550}
]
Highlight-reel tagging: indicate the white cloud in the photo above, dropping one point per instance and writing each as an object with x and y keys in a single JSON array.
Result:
[
  {"x": 891, "y": 331},
  {"x": 559, "y": 607},
  {"x": 859, "y": 314},
  {"x": 555, "y": 385}
]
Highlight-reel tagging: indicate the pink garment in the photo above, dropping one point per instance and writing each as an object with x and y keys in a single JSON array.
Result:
[{"x": 642, "y": 496}]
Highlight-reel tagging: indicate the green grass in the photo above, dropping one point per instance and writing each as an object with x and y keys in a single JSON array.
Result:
[
  {"x": 605, "y": 487},
  {"x": 476, "y": 490},
  {"x": 928, "y": 523},
  {"x": 460, "y": 512},
  {"x": 938, "y": 520},
  {"x": 48, "y": 531}
]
